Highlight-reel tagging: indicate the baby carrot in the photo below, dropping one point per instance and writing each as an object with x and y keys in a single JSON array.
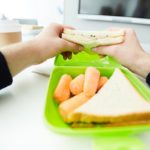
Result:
[
  {"x": 76, "y": 85},
  {"x": 71, "y": 104},
  {"x": 62, "y": 91},
  {"x": 92, "y": 76},
  {"x": 102, "y": 81}
]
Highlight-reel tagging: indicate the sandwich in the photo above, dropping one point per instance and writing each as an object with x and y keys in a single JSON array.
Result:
[
  {"x": 117, "y": 101},
  {"x": 93, "y": 39}
]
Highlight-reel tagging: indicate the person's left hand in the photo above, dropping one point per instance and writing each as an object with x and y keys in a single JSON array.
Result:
[{"x": 49, "y": 43}]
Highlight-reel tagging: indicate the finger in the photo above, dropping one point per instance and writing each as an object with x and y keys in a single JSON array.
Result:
[
  {"x": 56, "y": 29},
  {"x": 72, "y": 47},
  {"x": 105, "y": 50}
]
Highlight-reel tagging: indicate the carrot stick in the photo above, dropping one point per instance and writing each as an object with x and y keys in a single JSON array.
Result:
[
  {"x": 76, "y": 85},
  {"x": 101, "y": 83},
  {"x": 71, "y": 104},
  {"x": 92, "y": 76},
  {"x": 62, "y": 91}
]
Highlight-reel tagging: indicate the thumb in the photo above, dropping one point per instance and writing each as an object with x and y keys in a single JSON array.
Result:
[
  {"x": 104, "y": 50},
  {"x": 72, "y": 47}
]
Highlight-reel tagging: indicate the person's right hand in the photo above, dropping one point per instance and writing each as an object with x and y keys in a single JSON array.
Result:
[
  {"x": 129, "y": 53},
  {"x": 46, "y": 45},
  {"x": 49, "y": 43}
]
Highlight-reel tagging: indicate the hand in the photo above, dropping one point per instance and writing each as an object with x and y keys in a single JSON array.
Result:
[
  {"x": 129, "y": 53},
  {"x": 49, "y": 43},
  {"x": 46, "y": 45}
]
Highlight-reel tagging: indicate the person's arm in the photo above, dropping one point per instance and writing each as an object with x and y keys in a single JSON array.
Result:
[
  {"x": 129, "y": 53},
  {"x": 46, "y": 45},
  {"x": 20, "y": 56}
]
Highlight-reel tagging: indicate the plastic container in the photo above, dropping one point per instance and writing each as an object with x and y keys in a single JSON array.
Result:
[
  {"x": 10, "y": 32},
  {"x": 104, "y": 138}
]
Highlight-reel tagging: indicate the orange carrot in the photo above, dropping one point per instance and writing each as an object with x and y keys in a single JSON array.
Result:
[
  {"x": 62, "y": 91},
  {"x": 76, "y": 85},
  {"x": 92, "y": 76},
  {"x": 102, "y": 81},
  {"x": 71, "y": 104}
]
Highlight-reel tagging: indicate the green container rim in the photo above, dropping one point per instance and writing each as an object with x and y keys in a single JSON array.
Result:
[{"x": 96, "y": 131}]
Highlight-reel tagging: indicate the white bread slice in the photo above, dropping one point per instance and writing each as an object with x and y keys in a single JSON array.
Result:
[
  {"x": 92, "y": 41},
  {"x": 116, "y": 101},
  {"x": 98, "y": 34}
]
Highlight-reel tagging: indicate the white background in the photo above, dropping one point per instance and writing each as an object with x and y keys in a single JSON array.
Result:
[
  {"x": 22, "y": 124},
  {"x": 45, "y": 11}
]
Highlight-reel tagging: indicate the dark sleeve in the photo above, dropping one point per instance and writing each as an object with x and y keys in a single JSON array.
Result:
[
  {"x": 5, "y": 75},
  {"x": 148, "y": 79}
]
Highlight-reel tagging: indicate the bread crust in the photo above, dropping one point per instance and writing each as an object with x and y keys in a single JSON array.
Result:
[
  {"x": 87, "y": 118},
  {"x": 131, "y": 123}
]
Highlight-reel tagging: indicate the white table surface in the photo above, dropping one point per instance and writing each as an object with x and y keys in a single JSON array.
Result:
[{"x": 22, "y": 125}]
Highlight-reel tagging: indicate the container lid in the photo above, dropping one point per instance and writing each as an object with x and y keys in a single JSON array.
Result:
[
  {"x": 86, "y": 59},
  {"x": 9, "y": 26}
]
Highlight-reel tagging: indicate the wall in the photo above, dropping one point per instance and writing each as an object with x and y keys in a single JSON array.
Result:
[
  {"x": 71, "y": 18},
  {"x": 45, "y": 11}
]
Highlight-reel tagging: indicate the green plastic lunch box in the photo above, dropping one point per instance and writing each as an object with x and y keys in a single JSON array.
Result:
[{"x": 104, "y": 138}]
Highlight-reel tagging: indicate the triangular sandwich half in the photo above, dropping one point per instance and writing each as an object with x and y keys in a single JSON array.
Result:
[
  {"x": 94, "y": 38},
  {"x": 116, "y": 101}
]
